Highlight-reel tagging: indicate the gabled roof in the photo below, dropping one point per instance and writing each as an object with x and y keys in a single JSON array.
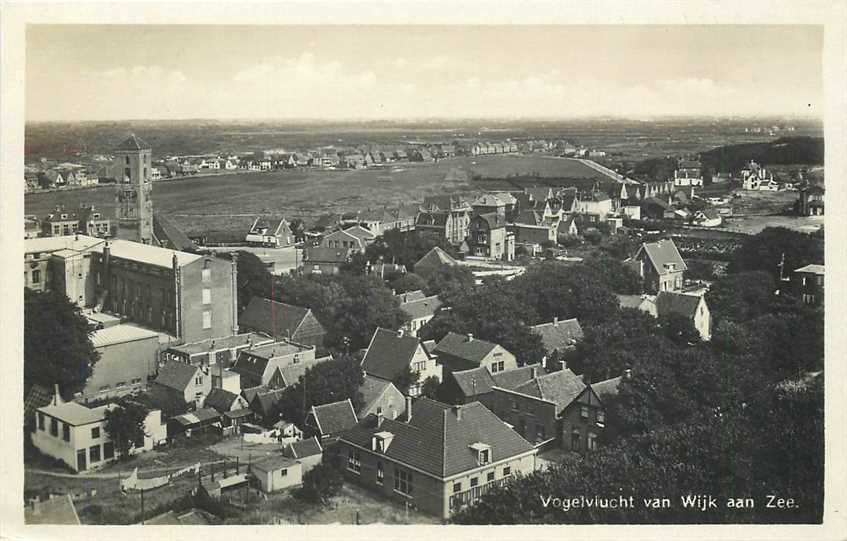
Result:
[
  {"x": 303, "y": 448},
  {"x": 265, "y": 401},
  {"x": 492, "y": 219},
  {"x": 436, "y": 218},
  {"x": 561, "y": 388},
  {"x": 220, "y": 399},
  {"x": 434, "y": 259},
  {"x": 464, "y": 347},
  {"x": 274, "y": 318},
  {"x": 74, "y": 414},
  {"x": 529, "y": 217},
  {"x": 176, "y": 375},
  {"x": 372, "y": 389},
  {"x": 474, "y": 382},
  {"x": 668, "y": 302},
  {"x": 558, "y": 334},
  {"x": 814, "y": 269},
  {"x": 169, "y": 235},
  {"x": 512, "y": 379},
  {"x": 607, "y": 387},
  {"x": 335, "y": 417},
  {"x": 132, "y": 143},
  {"x": 539, "y": 193},
  {"x": 420, "y": 308},
  {"x": 363, "y": 234},
  {"x": 662, "y": 253},
  {"x": 438, "y": 438},
  {"x": 389, "y": 353},
  {"x": 327, "y": 255}
]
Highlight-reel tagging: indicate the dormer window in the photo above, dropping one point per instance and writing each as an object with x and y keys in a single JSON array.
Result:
[
  {"x": 381, "y": 441},
  {"x": 483, "y": 453}
]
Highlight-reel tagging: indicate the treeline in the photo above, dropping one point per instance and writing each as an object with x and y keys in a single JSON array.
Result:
[
  {"x": 783, "y": 151},
  {"x": 740, "y": 416}
]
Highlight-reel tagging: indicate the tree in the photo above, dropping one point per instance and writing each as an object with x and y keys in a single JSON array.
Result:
[
  {"x": 324, "y": 383},
  {"x": 764, "y": 251},
  {"x": 431, "y": 388},
  {"x": 406, "y": 379},
  {"x": 366, "y": 305},
  {"x": 125, "y": 426},
  {"x": 679, "y": 329},
  {"x": 322, "y": 482},
  {"x": 254, "y": 280},
  {"x": 614, "y": 274},
  {"x": 408, "y": 282},
  {"x": 405, "y": 247},
  {"x": 57, "y": 344},
  {"x": 449, "y": 281},
  {"x": 741, "y": 296}
]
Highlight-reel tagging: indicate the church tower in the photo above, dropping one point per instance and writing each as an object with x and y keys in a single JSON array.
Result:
[{"x": 134, "y": 209}]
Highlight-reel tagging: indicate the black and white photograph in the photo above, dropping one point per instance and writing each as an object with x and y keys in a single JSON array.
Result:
[{"x": 423, "y": 274}]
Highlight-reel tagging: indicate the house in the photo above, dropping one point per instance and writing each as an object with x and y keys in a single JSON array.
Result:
[
  {"x": 320, "y": 260},
  {"x": 355, "y": 238},
  {"x": 328, "y": 420},
  {"x": 436, "y": 458},
  {"x": 447, "y": 216},
  {"x": 275, "y": 365},
  {"x": 756, "y": 177},
  {"x": 552, "y": 410},
  {"x": 76, "y": 434},
  {"x": 809, "y": 284},
  {"x": 220, "y": 353},
  {"x": 488, "y": 237},
  {"x": 199, "y": 420},
  {"x": 128, "y": 357},
  {"x": 271, "y": 232},
  {"x": 60, "y": 223},
  {"x": 232, "y": 407},
  {"x": 645, "y": 303},
  {"x": 656, "y": 208},
  {"x": 32, "y": 229},
  {"x": 432, "y": 261},
  {"x": 568, "y": 226},
  {"x": 420, "y": 312},
  {"x": 94, "y": 223},
  {"x": 477, "y": 384},
  {"x": 263, "y": 403},
  {"x": 534, "y": 234},
  {"x": 688, "y": 173},
  {"x": 691, "y": 307},
  {"x": 277, "y": 473},
  {"x": 558, "y": 336},
  {"x": 708, "y": 217},
  {"x": 53, "y": 511},
  {"x": 489, "y": 203},
  {"x": 307, "y": 452},
  {"x": 462, "y": 352},
  {"x": 380, "y": 397},
  {"x": 660, "y": 265},
  {"x": 810, "y": 200},
  {"x": 597, "y": 206},
  {"x": 389, "y": 353},
  {"x": 282, "y": 321},
  {"x": 180, "y": 387}
]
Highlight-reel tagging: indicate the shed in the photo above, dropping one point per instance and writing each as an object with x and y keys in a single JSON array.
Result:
[{"x": 277, "y": 473}]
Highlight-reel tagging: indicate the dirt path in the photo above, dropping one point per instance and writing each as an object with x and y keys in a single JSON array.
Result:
[{"x": 113, "y": 474}]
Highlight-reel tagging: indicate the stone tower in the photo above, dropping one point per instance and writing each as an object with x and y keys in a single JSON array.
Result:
[{"x": 134, "y": 209}]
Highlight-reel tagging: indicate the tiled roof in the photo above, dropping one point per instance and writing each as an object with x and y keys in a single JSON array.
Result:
[
  {"x": 434, "y": 259},
  {"x": 37, "y": 397},
  {"x": 271, "y": 317},
  {"x": 561, "y": 388},
  {"x": 220, "y": 399},
  {"x": 558, "y": 334},
  {"x": 607, "y": 387},
  {"x": 304, "y": 448},
  {"x": 511, "y": 379},
  {"x": 119, "y": 334},
  {"x": 372, "y": 389},
  {"x": 492, "y": 219},
  {"x": 292, "y": 373},
  {"x": 432, "y": 218},
  {"x": 364, "y": 235},
  {"x": 473, "y": 382},
  {"x": 438, "y": 437},
  {"x": 459, "y": 345},
  {"x": 389, "y": 353},
  {"x": 663, "y": 252},
  {"x": 133, "y": 143},
  {"x": 420, "y": 308},
  {"x": 529, "y": 217},
  {"x": 335, "y": 417},
  {"x": 668, "y": 302},
  {"x": 409, "y": 296},
  {"x": 265, "y": 401},
  {"x": 176, "y": 375},
  {"x": 327, "y": 255}
]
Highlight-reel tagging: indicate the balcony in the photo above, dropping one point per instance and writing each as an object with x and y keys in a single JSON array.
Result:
[{"x": 467, "y": 497}]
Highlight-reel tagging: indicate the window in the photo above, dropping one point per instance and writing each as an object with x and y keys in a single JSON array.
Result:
[
  {"x": 66, "y": 432},
  {"x": 354, "y": 461},
  {"x": 592, "y": 441},
  {"x": 484, "y": 456},
  {"x": 36, "y": 276},
  {"x": 108, "y": 450},
  {"x": 501, "y": 366},
  {"x": 493, "y": 368},
  {"x": 380, "y": 473},
  {"x": 198, "y": 396},
  {"x": 490, "y": 476},
  {"x": 207, "y": 319},
  {"x": 507, "y": 471},
  {"x": 457, "y": 487},
  {"x": 127, "y": 160},
  {"x": 283, "y": 473},
  {"x": 95, "y": 432},
  {"x": 515, "y": 405},
  {"x": 94, "y": 453},
  {"x": 575, "y": 444},
  {"x": 54, "y": 427},
  {"x": 583, "y": 412},
  {"x": 207, "y": 295},
  {"x": 540, "y": 433},
  {"x": 403, "y": 481},
  {"x": 198, "y": 380},
  {"x": 474, "y": 481},
  {"x": 40, "y": 421},
  {"x": 601, "y": 418},
  {"x": 206, "y": 276}
]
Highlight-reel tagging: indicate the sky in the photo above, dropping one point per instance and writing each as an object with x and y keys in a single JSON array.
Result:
[{"x": 77, "y": 72}]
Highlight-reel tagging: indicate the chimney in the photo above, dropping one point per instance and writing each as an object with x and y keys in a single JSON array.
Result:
[
  {"x": 379, "y": 419},
  {"x": 585, "y": 379},
  {"x": 57, "y": 397},
  {"x": 408, "y": 409},
  {"x": 400, "y": 333},
  {"x": 555, "y": 321},
  {"x": 533, "y": 372},
  {"x": 627, "y": 374},
  {"x": 470, "y": 337},
  {"x": 457, "y": 409}
]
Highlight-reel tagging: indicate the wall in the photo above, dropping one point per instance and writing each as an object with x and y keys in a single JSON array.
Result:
[
  {"x": 222, "y": 300},
  {"x": 530, "y": 415},
  {"x": 124, "y": 362},
  {"x": 572, "y": 420},
  {"x": 274, "y": 480},
  {"x": 521, "y": 464}
]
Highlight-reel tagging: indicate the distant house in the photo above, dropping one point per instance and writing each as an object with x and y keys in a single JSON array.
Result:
[
  {"x": 568, "y": 226},
  {"x": 432, "y": 261},
  {"x": 275, "y": 365},
  {"x": 558, "y": 336},
  {"x": 224, "y": 401},
  {"x": 755, "y": 177},
  {"x": 330, "y": 420},
  {"x": 93, "y": 223},
  {"x": 488, "y": 237},
  {"x": 215, "y": 352},
  {"x": 462, "y": 352},
  {"x": 708, "y": 217},
  {"x": 691, "y": 307},
  {"x": 270, "y": 232},
  {"x": 180, "y": 387},
  {"x": 489, "y": 203},
  {"x": 688, "y": 173},
  {"x": 655, "y": 208},
  {"x": 477, "y": 384},
  {"x": 808, "y": 282},
  {"x": 60, "y": 222},
  {"x": 321, "y": 260},
  {"x": 447, "y": 216},
  {"x": 596, "y": 207},
  {"x": 355, "y": 238},
  {"x": 263, "y": 403},
  {"x": 389, "y": 353},
  {"x": 308, "y": 452},
  {"x": 436, "y": 457},
  {"x": 660, "y": 265},
  {"x": 810, "y": 200},
  {"x": 282, "y": 321},
  {"x": 420, "y": 312},
  {"x": 380, "y": 397}
]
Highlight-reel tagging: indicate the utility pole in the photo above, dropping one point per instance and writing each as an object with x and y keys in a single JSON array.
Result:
[{"x": 142, "y": 507}]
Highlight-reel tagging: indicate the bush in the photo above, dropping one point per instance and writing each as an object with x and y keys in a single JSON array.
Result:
[
  {"x": 569, "y": 241},
  {"x": 593, "y": 236},
  {"x": 321, "y": 483}
]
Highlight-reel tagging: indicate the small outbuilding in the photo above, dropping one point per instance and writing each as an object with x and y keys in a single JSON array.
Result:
[{"x": 277, "y": 473}]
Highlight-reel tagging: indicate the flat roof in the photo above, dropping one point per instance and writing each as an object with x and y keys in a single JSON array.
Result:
[
  {"x": 134, "y": 251},
  {"x": 75, "y": 414},
  {"x": 119, "y": 334},
  {"x": 223, "y": 343},
  {"x": 278, "y": 349}
]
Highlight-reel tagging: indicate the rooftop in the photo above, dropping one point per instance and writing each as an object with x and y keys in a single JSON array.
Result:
[
  {"x": 134, "y": 251},
  {"x": 464, "y": 347},
  {"x": 119, "y": 334},
  {"x": 813, "y": 269},
  {"x": 419, "y": 308},
  {"x": 225, "y": 342},
  {"x": 75, "y": 414},
  {"x": 389, "y": 353},
  {"x": 334, "y": 417}
]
